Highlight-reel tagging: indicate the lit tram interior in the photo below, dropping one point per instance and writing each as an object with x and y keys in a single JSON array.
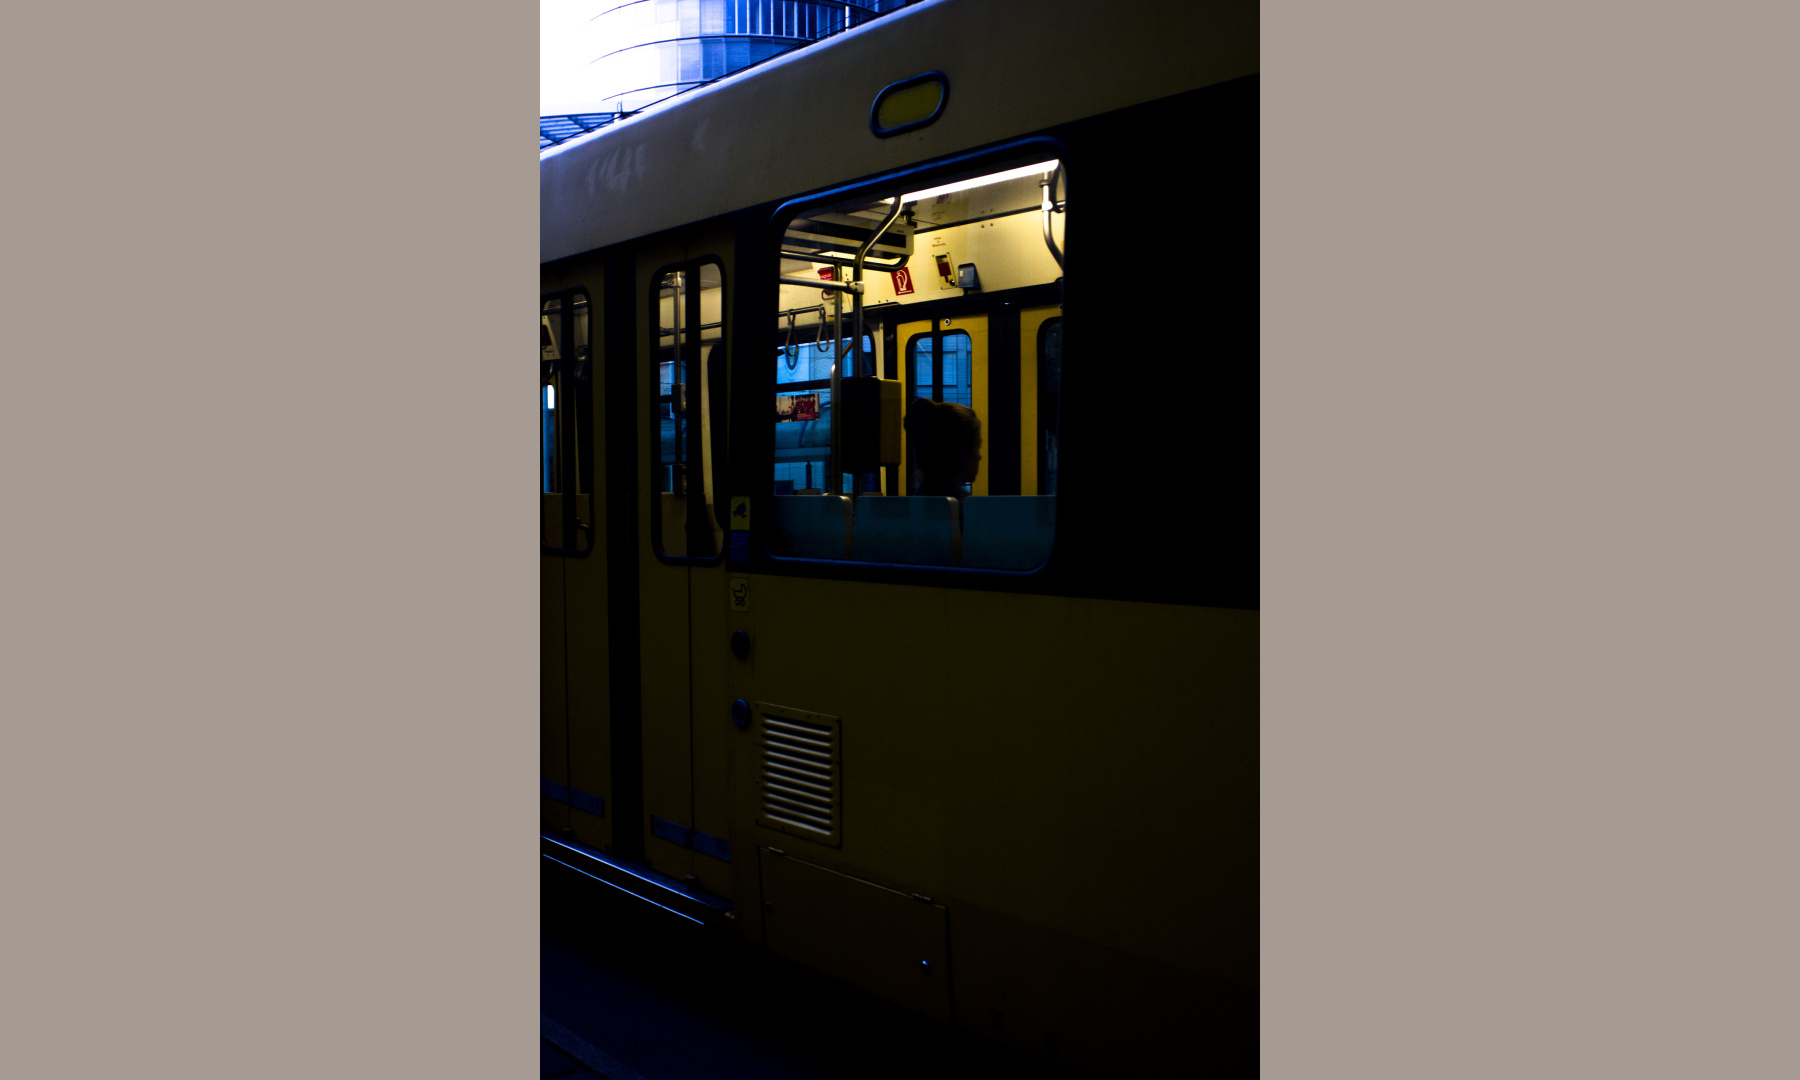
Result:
[{"x": 933, "y": 265}]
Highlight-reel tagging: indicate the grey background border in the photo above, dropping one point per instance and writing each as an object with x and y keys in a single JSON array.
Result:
[
  {"x": 1529, "y": 530},
  {"x": 268, "y": 764}
]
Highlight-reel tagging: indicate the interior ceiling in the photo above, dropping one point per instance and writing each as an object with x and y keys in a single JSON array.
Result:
[
  {"x": 942, "y": 211},
  {"x": 1017, "y": 195},
  {"x": 986, "y": 201},
  {"x": 971, "y": 204}
]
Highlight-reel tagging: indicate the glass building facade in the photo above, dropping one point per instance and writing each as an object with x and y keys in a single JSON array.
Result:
[{"x": 647, "y": 50}]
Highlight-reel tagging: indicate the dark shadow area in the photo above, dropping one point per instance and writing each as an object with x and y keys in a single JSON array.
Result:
[{"x": 670, "y": 1001}]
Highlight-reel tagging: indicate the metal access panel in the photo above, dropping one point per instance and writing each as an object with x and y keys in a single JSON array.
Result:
[{"x": 887, "y": 942}]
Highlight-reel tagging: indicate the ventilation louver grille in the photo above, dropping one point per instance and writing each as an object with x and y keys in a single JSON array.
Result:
[{"x": 799, "y": 782}]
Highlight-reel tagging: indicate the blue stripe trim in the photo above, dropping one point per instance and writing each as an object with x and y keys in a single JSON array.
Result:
[
  {"x": 712, "y": 845},
  {"x": 691, "y": 838},
  {"x": 668, "y": 830},
  {"x": 553, "y": 790},
  {"x": 581, "y": 800}
]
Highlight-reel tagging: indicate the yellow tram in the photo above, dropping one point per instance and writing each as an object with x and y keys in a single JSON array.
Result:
[{"x": 988, "y": 750}]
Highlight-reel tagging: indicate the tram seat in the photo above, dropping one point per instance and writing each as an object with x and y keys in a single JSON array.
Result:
[
  {"x": 1007, "y": 532},
  {"x": 810, "y": 526},
  {"x": 923, "y": 530}
]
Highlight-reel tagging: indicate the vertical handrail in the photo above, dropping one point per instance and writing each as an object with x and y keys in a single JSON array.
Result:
[
  {"x": 857, "y": 276},
  {"x": 574, "y": 424},
  {"x": 1048, "y": 184},
  {"x": 834, "y": 474},
  {"x": 694, "y": 488},
  {"x": 860, "y": 365},
  {"x": 678, "y": 391}
]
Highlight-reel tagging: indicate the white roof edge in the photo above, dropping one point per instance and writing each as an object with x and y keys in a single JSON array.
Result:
[{"x": 732, "y": 78}]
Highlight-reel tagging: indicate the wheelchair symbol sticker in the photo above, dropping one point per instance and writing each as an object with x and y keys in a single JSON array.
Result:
[{"x": 740, "y": 511}]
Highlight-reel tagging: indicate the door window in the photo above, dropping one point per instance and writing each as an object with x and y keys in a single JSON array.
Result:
[
  {"x": 565, "y": 456},
  {"x": 688, "y": 422}
]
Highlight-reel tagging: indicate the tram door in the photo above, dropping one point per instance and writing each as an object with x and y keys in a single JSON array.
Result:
[
  {"x": 684, "y": 643},
  {"x": 946, "y": 360},
  {"x": 573, "y": 735},
  {"x": 553, "y": 705}
]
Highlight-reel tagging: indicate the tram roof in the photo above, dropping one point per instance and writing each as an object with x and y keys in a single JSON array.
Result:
[{"x": 798, "y": 121}]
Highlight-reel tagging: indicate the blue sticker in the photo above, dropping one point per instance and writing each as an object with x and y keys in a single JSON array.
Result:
[
  {"x": 740, "y": 548},
  {"x": 553, "y": 790}
]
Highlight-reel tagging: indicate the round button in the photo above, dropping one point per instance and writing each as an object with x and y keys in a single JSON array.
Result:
[
  {"x": 740, "y": 644},
  {"x": 740, "y": 712}
]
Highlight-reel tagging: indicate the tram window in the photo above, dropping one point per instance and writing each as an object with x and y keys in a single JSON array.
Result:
[
  {"x": 938, "y": 367},
  {"x": 688, "y": 356},
  {"x": 565, "y": 457},
  {"x": 889, "y": 247}
]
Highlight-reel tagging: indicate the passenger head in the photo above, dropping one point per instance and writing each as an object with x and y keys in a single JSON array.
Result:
[{"x": 945, "y": 443}]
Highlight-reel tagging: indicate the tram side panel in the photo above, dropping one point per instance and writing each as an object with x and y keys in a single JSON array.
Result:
[
  {"x": 1073, "y": 777},
  {"x": 1035, "y": 766},
  {"x": 1101, "y": 770}
]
